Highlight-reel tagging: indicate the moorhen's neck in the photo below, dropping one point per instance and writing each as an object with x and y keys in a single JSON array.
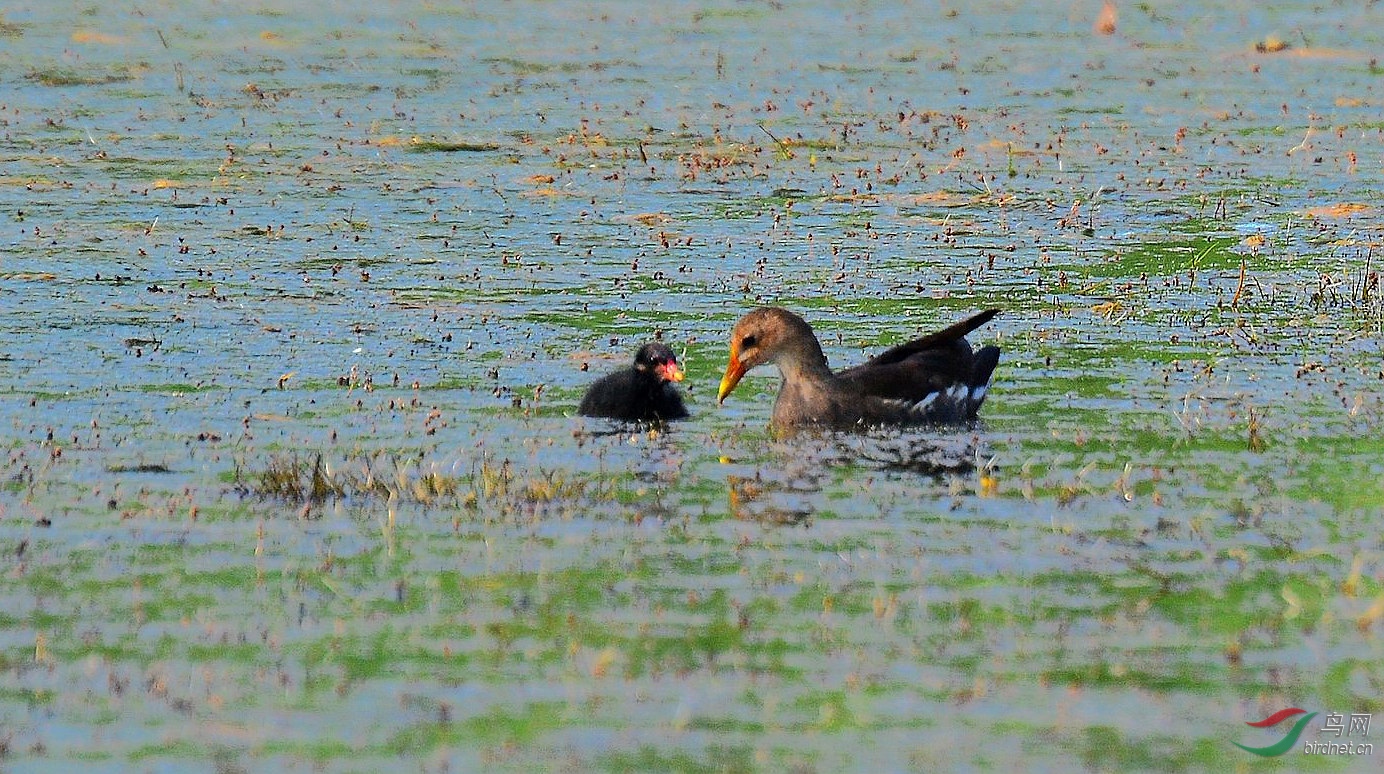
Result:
[
  {"x": 648, "y": 380},
  {"x": 801, "y": 357}
]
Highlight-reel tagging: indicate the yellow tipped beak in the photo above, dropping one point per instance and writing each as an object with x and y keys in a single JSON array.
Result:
[
  {"x": 672, "y": 372},
  {"x": 734, "y": 372}
]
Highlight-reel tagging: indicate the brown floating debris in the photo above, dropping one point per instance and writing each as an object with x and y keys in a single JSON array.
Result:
[{"x": 1105, "y": 20}]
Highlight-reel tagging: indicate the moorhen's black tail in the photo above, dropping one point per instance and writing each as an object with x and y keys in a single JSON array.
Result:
[
  {"x": 962, "y": 401},
  {"x": 982, "y": 368}
]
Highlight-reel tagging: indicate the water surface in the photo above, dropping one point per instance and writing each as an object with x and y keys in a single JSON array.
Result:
[{"x": 296, "y": 309}]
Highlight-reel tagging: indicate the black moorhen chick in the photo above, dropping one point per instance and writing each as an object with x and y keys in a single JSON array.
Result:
[
  {"x": 643, "y": 392},
  {"x": 934, "y": 379}
]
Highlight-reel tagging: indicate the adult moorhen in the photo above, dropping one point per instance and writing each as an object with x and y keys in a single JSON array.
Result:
[
  {"x": 936, "y": 378},
  {"x": 643, "y": 392}
]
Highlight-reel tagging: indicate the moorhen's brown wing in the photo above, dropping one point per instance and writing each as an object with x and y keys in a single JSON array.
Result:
[
  {"x": 913, "y": 370},
  {"x": 913, "y": 377},
  {"x": 948, "y": 335}
]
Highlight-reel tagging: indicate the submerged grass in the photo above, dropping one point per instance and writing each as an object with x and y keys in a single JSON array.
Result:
[
  {"x": 440, "y": 146},
  {"x": 366, "y": 478},
  {"x": 70, "y": 77}
]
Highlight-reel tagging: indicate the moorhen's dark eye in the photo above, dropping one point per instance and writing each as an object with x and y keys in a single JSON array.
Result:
[{"x": 747, "y": 342}]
